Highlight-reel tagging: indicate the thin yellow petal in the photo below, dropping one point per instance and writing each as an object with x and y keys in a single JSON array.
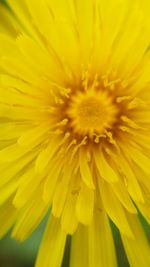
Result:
[
  {"x": 46, "y": 155},
  {"x": 40, "y": 58},
  {"x": 79, "y": 248},
  {"x": 8, "y": 215},
  {"x": 30, "y": 216},
  {"x": 140, "y": 159},
  {"x": 12, "y": 97},
  {"x": 15, "y": 168},
  {"x": 34, "y": 136},
  {"x": 100, "y": 242},
  {"x": 12, "y": 153},
  {"x": 8, "y": 24},
  {"x": 121, "y": 192},
  {"x": 137, "y": 250},
  {"x": 20, "y": 11},
  {"x": 69, "y": 221},
  {"x": 12, "y": 130},
  {"x": 86, "y": 173},
  {"x": 54, "y": 241},
  {"x": 61, "y": 192},
  {"x": 85, "y": 205},
  {"x": 7, "y": 190},
  {"x": 8, "y": 46},
  {"x": 25, "y": 191},
  {"x": 51, "y": 181},
  {"x": 105, "y": 170},
  {"x": 130, "y": 179},
  {"x": 114, "y": 209}
]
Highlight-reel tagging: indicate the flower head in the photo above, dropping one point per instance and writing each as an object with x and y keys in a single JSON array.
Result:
[{"x": 74, "y": 126}]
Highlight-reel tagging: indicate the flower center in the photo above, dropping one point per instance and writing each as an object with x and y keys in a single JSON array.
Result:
[{"x": 92, "y": 112}]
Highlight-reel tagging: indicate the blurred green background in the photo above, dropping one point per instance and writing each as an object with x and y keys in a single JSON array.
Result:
[{"x": 15, "y": 254}]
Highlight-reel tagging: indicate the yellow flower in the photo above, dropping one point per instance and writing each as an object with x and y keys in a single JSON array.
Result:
[{"x": 74, "y": 126}]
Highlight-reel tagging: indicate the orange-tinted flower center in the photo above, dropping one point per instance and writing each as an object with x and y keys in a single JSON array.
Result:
[{"x": 92, "y": 112}]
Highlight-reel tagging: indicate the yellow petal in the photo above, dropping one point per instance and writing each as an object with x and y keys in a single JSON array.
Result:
[
  {"x": 121, "y": 192},
  {"x": 8, "y": 46},
  {"x": 125, "y": 48},
  {"x": 42, "y": 16},
  {"x": 61, "y": 192},
  {"x": 131, "y": 182},
  {"x": 79, "y": 248},
  {"x": 12, "y": 130},
  {"x": 100, "y": 242},
  {"x": 140, "y": 159},
  {"x": 69, "y": 221},
  {"x": 25, "y": 88},
  {"x": 8, "y": 24},
  {"x": 40, "y": 58},
  {"x": 85, "y": 27},
  {"x": 25, "y": 191},
  {"x": 23, "y": 69},
  {"x": 86, "y": 173},
  {"x": 144, "y": 208},
  {"x": 53, "y": 244},
  {"x": 20, "y": 11},
  {"x": 8, "y": 215},
  {"x": 85, "y": 205},
  {"x": 137, "y": 250},
  {"x": 30, "y": 216},
  {"x": 46, "y": 155},
  {"x": 15, "y": 168},
  {"x": 7, "y": 190},
  {"x": 57, "y": 32},
  {"x": 105, "y": 170},
  {"x": 14, "y": 152},
  {"x": 11, "y": 96},
  {"x": 35, "y": 136},
  {"x": 114, "y": 209},
  {"x": 65, "y": 26},
  {"x": 51, "y": 181}
]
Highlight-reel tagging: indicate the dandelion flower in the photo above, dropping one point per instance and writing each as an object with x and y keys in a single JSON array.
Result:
[{"x": 74, "y": 127}]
